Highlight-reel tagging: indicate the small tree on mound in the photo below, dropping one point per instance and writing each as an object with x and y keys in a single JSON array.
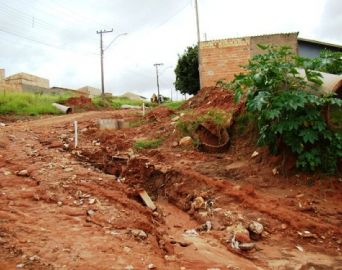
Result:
[
  {"x": 289, "y": 110},
  {"x": 187, "y": 74}
]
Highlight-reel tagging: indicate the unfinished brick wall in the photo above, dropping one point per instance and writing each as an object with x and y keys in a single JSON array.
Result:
[{"x": 222, "y": 59}]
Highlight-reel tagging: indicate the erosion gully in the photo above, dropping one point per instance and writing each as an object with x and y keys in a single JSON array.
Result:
[{"x": 79, "y": 208}]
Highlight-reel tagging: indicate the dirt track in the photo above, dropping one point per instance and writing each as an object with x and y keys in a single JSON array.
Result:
[{"x": 71, "y": 212}]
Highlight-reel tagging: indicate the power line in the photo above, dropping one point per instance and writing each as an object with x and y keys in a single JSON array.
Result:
[{"x": 39, "y": 42}]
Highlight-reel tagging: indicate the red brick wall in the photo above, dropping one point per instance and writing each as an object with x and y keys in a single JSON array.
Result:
[{"x": 222, "y": 59}]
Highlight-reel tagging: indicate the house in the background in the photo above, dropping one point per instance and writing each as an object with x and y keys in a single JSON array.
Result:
[
  {"x": 222, "y": 59},
  {"x": 133, "y": 96},
  {"x": 89, "y": 91},
  {"x": 23, "y": 82},
  {"x": 312, "y": 48}
]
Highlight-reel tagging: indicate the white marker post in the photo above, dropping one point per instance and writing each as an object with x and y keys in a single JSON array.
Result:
[
  {"x": 76, "y": 134},
  {"x": 143, "y": 108}
]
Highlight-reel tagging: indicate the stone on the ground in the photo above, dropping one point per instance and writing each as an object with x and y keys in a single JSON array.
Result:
[
  {"x": 127, "y": 249},
  {"x": 23, "y": 173},
  {"x": 185, "y": 141},
  {"x": 198, "y": 203},
  {"x": 2, "y": 124},
  {"x": 139, "y": 234},
  {"x": 129, "y": 267},
  {"x": 174, "y": 144},
  {"x": 240, "y": 232},
  {"x": 151, "y": 266},
  {"x": 170, "y": 258},
  {"x": 255, "y": 153},
  {"x": 246, "y": 246},
  {"x": 256, "y": 227}
]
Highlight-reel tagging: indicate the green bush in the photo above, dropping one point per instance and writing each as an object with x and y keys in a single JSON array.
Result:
[
  {"x": 29, "y": 103},
  {"x": 288, "y": 115}
]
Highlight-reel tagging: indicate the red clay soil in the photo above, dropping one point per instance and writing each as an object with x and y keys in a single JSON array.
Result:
[
  {"x": 159, "y": 113},
  {"x": 78, "y": 101},
  {"x": 76, "y": 208},
  {"x": 212, "y": 97}
]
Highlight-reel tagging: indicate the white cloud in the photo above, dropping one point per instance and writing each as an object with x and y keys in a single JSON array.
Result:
[{"x": 157, "y": 32}]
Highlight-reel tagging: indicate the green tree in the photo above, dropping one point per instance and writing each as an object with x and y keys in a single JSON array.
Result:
[{"x": 187, "y": 75}]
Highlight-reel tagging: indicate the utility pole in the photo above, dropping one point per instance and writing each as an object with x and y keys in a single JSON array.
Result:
[
  {"x": 101, "y": 32},
  {"x": 157, "y": 73},
  {"x": 198, "y": 43}
]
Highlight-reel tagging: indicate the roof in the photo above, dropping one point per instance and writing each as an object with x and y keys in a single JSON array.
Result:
[
  {"x": 320, "y": 43},
  {"x": 266, "y": 35},
  {"x": 131, "y": 95},
  {"x": 23, "y": 75}
]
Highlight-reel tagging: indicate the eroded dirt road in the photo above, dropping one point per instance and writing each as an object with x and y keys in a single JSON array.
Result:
[{"x": 78, "y": 209}]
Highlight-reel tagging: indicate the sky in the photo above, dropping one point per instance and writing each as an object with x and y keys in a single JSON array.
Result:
[{"x": 57, "y": 39}]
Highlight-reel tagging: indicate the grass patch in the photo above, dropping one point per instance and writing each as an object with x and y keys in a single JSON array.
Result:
[
  {"x": 188, "y": 124},
  {"x": 147, "y": 144},
  {"x": 116, "y": 102},
  {"x": 174, "y": 105},
  {"x": 29, "y": 103}
]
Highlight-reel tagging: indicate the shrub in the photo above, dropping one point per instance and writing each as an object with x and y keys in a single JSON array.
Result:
[{"x": 288, "y": 110}]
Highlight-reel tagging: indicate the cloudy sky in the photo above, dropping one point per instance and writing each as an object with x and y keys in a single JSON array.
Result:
[{"x": 57, "y": 39}]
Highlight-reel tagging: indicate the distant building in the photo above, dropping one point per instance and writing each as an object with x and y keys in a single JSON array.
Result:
[
  {"x": 312, "y": 48},
  {"x": 90, "y": 91},
  {"x": 133, "y": 96},
  {"x": 23, "y": 82}
]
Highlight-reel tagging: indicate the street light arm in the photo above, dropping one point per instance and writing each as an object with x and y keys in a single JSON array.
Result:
[{"x": 114, "y": 39}]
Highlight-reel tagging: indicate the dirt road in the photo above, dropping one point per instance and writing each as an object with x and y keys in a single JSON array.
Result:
[{"x": 62, "y": 208}]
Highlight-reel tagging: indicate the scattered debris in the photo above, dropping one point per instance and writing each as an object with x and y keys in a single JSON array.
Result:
[
  {"x": 170, "y": 258},
  {"x": 151, "y": 266},
  {"x": 129, "y": 267},
  {"x": 246, "y": 246},
  {"x": 255, "y": 228},
  {"x": 139, "y": 234},
  {"x": 301, "y": 249},
  {"x": 90, "y": 212},
  {"x": 185, "y": 141},
  {"x": 191, "y": 233},
  {"x": 23, "y": 173},
  {"x": 147, "y": 200},
  {"x": 275, "y": 171},
  {"x": 91, "y": 200},
  {"x": 255, "y": 153}
]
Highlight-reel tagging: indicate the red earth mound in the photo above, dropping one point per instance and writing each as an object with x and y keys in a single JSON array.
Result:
[
  {"x": 209, "y": 97},
  {"x": 78, "y": 101},
  {"x": 160, "y": 113}
]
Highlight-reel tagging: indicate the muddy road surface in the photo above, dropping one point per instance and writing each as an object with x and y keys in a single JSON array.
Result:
[{"x": 67, "y": 208}]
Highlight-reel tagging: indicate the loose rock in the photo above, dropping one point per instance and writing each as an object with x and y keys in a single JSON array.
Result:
[
  {"x": 185, "y": 141},
  {"x": 140, "y": 234},
  {"x": 23, "y": 173},
  {"x": 246, "y": 246},
  {"x": 255, "y": 229},
  {"x": 151, "y": 266}
]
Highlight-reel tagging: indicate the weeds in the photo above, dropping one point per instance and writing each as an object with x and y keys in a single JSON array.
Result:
[
  {"x": 174, "y": 105},
  {"x": 188, "y": 124},
  {"x": 147, "y": 144},
  {"x": 116, "y": 102},
  {"x": 29, "y": 103}
]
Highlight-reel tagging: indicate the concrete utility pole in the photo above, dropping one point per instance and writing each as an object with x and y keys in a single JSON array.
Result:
[
  {"x": 198, "y": 43},
  {"x": 157, "y": 73},
  {"x": 101, "y": 32}
]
